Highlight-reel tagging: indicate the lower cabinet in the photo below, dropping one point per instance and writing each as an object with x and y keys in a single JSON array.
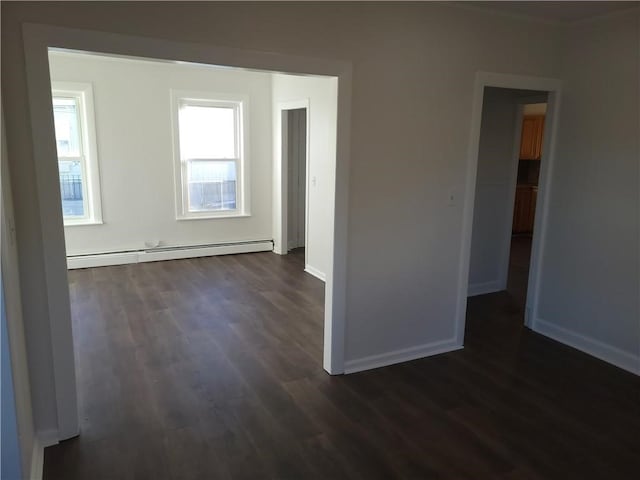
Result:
[{"x": 524, "y": 210}]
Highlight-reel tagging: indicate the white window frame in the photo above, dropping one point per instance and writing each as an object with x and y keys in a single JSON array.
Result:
[
  {"x": 83, "y": 94},
  {"x": 208, "y": 99}
]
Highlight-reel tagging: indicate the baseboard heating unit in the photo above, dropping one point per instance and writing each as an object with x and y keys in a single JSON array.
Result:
[{"x": 166, "y": 253}]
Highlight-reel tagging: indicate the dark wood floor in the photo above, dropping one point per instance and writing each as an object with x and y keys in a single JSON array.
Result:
[{"x": 211, "y": 369}]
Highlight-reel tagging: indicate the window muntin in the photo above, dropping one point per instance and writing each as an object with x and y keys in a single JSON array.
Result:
[
  {"x": 77, "y": 158},
  {"x": 210, "y": 150}
]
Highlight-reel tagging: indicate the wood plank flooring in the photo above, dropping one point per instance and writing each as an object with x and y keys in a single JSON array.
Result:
[{"x": 211, "y": 369}]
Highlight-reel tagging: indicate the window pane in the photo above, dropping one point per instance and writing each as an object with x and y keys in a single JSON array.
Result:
[
  {"x": 212, "y": 185},
  {"x": 71, "y": 188},
  {"x": 207, "y": 132},
  {"x": 67, "y": 125}
]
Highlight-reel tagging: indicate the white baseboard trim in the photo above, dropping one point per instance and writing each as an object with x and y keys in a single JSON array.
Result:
[
  {"x": 41, "y": 440},
  {"x": 596, "y": 348},
  {"x": 399, "y": 356},
  {"x": 484, "y": 288},
  {"x": 315, "y": 272},
  {"x": 48, "y": 438},
  {"x": 123, "y": 258},
  {"x": 37, "y": 460}
]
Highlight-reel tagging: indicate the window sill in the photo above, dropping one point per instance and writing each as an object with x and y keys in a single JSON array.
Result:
[
  {"x": 213, "y": 217},
  {"x": 83, "y": 223}
]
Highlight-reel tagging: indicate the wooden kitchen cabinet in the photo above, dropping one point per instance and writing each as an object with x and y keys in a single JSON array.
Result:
[
  {"x": 524, "y": 209},
  {"x": 531, "y": 139}
]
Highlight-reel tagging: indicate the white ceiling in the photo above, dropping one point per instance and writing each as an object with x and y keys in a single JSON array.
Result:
[{"x": 555, "y": 11}]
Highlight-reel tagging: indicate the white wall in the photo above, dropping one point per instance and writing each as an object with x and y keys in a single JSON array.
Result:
[
  {"x": 495, "y": 185},
  {"x": 321, "y": 94},
  {"x": 135, "y": 152},
  {"x": 590, "y": 289},
  {"x": 493, "y": 207}
]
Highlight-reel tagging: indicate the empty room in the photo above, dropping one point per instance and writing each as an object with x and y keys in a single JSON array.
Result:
[
  {"x": 320, "y": 240},
  {"x": 166, "y": 176},
  {"x": 510, "y": 160}
]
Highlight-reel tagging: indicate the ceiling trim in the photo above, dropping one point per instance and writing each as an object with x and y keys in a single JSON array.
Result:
[{"x": 485, "y": 8}]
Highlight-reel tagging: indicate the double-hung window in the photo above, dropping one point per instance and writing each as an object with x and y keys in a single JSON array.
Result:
[
  {"x": 210, "y": 157},
  {"x": 77, "y": 153}
]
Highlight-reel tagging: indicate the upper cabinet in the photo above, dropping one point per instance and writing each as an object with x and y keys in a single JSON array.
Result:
[{"x": 531, "y": 140}]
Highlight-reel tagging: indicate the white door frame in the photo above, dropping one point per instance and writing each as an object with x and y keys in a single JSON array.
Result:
[
  {"x": 281, "y": 174},
  {"x": 520, "y": 82},
  {"x": 37, "y": 39}
]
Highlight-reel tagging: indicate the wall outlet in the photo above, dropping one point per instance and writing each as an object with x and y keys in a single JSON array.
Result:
[{"x": 152, "y": 243}]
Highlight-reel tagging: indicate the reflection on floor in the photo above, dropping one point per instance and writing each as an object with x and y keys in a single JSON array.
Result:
[
  {"x": 502, "y": 313},
  {"x": 211, "y": 369},
  {"x": 506, "y": 306}
]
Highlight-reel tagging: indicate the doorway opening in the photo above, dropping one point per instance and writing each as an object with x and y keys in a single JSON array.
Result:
[
  {"x": 509, "y": 160},
  {"x": 38, "y": 41},
  {"x": 294, "y": 133},
  {"x": 153, "y": 271},
  {"x": 304, "y": 170},
  {"x": 300, "y": 204},
  {"x": 506, "y": 212},
  {"x": 530, "y": 124},
  {"x": 295, "y": 163}
]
